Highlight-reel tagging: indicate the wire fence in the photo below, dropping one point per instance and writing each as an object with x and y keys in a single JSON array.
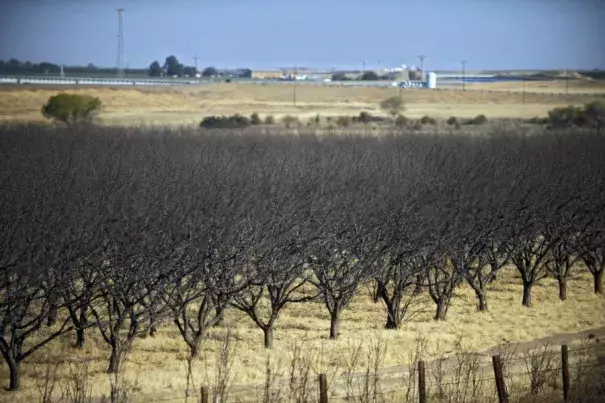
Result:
[{"x": 550, "y": 373}]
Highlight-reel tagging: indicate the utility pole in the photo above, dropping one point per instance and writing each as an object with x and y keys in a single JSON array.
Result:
[
  {"x": 295, "y": 85},
  {"x": 566, "y": 82},
  {"x": 363, "y": 67},
  {"x": 421, "y": 57},
  {"x": 523, "y": 79},
  {"x": 120, "y": 61},
  {"x": 195, "y": 58},
  {"x": 463, "y": 62}
]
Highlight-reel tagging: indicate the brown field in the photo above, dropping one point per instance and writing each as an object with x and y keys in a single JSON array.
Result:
[
  {"x": 158, "y": 365},
  {"x": 189, "y": 104}
]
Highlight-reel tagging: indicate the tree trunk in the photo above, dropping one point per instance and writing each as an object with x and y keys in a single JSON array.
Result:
[
  {"x": 441, "y": 309},
  {"x": 393, "y": 314},
  {"x": 152, "y": 330},
  {"x": 527, "y": 286},
  {"x": 418, "y": 287},
  {"x": 598, "y": 281},
  {"x": 481, "y": 300},
  {"x": 218, "y": 313},
  {"x": 80, "y": 337},
  {"x": 51, "y": 319},
  {"x": 114, "y": 359},
  {"x": 268, "y": 331},
  {"x": 376, "y": 292},
  {"x": 392, "y": 320},
  {"x": 562, "y": 288},
  {"x": 15, "y": 375},
  {"x": 334, "y": 324}
]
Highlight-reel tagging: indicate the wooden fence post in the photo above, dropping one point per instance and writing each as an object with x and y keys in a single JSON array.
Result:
[
  {"x": 204, "y": 393},
  {"x": 323, "y": 389},
  {"x": 500, "y": 386},
  {"x": 565, "y": 371},
  {"x": 421, "y": 382}
]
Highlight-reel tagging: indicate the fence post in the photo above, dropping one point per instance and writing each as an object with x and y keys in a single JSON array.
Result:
[
  {"x": 500, "y": 386},
  {"x": 421, "y": 382},
  {"x": 323, "y": 389},
  {"x": 565, "y": 370},
  {"x": 204, "y": 393}
]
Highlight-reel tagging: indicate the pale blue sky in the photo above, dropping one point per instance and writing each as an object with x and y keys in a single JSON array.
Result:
[{"x": 489, "y": 34}]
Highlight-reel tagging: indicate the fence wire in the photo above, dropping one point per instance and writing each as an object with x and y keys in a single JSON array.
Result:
[{"x": 457, "y": 379}]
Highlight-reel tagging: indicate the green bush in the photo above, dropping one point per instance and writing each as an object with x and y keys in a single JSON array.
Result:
[
  {"x": 71, "y": 108},
  {"x": 567, "y": 116},
  {"x": 255, "y": 119},
  {"x": 339, "y": 77},
  {"x": 236, "y": 121},
  {"x": 290, "y": 121},
  {"x": 427, "y": 120},
  {"x": 364, "y": 117},
  {"x": 452, "y": 121},
  {"x": 594, "y": 114},
  {"x": 269, "y": 120},
  {"x": 369, "y": 76},
  {"x": 537, "y": 121},
  {"x": 417, "y": 126},
  {"x": 393, "y": 105},
  {"x": 401, "y": 121},
  {"x": 478, "y": 120},
  {"x": 343, "y": 121}
]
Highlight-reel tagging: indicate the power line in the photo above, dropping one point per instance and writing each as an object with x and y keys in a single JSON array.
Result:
[{"x": 120, "y": 61}]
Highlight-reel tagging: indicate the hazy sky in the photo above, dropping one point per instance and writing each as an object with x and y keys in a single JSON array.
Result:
[{"x": 489, "y": 34}]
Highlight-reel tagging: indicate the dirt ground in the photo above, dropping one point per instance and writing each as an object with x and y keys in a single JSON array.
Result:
[{"x": 189, "y": 104}]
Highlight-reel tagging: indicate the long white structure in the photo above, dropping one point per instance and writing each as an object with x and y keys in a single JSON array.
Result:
[{"x": 89, "y": 81}]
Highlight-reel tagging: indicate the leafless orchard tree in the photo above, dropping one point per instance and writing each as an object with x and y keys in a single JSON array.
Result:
[{"x": 123, "y": 230}]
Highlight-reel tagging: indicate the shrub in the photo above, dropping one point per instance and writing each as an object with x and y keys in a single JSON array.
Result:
[
  {"x": 401, "y": 121},
  {"x": 478, "y": 120},
  {"x": 317, "y": 119},
  {"x": 591, "y": 115},
  {"x": 71, "y": 108},
  {"x": 565, "y": 117},
  {"x": 364, "y": 117},
  {"x": 427, "y": 120},
  {"x": 236, "y": 121},
  {"x": 369, "y": 76},
  {"x": 289, "y": 121},
  {"x": 255, "y": 119},
  {"x": 452, "y": 121},
  {"x": 393, "y": 105},
  {"x": 537, "y": 121},
  {"x": 594, "y": 114},
  {"x": 339, "y": 77},
  {"x": 343, "y": 121},
  {"x": 269, "y": 120},
  {"x": 417, "y": 126}
]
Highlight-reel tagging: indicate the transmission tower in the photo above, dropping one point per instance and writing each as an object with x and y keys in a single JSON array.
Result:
[{"x": 120, "y": 61}]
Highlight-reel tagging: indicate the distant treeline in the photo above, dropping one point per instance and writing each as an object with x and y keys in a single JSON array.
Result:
[
  {"x": 171, "y": 68},
  {"x": 14, "y": 66}
]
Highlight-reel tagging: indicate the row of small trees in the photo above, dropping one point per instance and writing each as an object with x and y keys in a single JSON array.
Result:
[{"x": 118, "y": 230}]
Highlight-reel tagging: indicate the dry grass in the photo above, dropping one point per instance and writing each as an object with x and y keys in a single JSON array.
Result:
[
  {"x": 158, "y": 364},
  {"x": 188, "y": 104},
  {"x": 582, "y": 86}
]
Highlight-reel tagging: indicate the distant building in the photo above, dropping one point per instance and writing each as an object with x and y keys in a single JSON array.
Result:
[{"x": 263, "y": 74}]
